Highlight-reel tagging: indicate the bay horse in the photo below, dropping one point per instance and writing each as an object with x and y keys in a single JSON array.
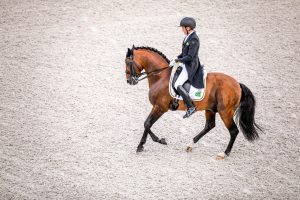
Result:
[{"x": 224, "y": 95}]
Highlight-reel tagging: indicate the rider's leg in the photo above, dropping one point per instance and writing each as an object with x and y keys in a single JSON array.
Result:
[
  {"x": 188, "y": 101},
  {"x": 183, "y": 77}
]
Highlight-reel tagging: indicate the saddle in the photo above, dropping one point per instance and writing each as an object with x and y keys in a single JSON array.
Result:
[{"x": 196, "y": 94}]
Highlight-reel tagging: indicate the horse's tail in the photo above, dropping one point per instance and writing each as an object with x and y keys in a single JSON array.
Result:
[{"x": 245, "y": 114}]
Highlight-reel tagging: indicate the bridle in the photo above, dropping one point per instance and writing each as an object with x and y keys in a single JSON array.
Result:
[{"x": 134, "y": 77}]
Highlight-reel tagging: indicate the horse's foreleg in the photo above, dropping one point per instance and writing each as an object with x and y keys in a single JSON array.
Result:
[
  {"x": 154, "y": 115},
  {"x": 210, "y": 124}
]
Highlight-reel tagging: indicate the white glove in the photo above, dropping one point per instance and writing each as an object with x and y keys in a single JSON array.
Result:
[{"x": 172, "y": 63}]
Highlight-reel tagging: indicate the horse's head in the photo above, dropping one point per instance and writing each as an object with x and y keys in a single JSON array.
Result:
[
  {"x": 133, "y": 70},
  {"x": 149, "y": 59}
]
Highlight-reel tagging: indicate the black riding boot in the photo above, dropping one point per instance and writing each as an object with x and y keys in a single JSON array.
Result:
[{"x": 187, "y": 100}]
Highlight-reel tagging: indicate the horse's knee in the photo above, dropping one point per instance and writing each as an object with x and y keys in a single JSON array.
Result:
[{"x": 147, "y": 124}]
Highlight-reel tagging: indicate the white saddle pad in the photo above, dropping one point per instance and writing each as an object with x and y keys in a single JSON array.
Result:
[{"x": 195, "y": 93}]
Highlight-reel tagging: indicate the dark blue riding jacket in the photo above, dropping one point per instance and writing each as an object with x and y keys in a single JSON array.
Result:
[{"x": 189, "y": 56}]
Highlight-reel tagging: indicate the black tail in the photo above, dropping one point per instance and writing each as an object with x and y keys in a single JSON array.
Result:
[{"x": 245, "y": 114}]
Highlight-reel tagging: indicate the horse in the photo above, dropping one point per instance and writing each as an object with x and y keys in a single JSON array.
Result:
[{"x": 223, "y": 95}]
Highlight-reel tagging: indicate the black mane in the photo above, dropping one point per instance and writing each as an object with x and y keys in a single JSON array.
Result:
[{"x": 154, "y": 50}]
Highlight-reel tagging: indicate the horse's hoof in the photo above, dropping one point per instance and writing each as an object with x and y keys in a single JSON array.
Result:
[
  {"x": 189, "y": 149},
  {"x": 221, "y": 156},
  {"x": 163, "y": 141},
  {"x": 140, "y": 149}
]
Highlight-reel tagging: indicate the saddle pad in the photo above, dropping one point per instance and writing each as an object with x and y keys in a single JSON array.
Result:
[{"x": 195, "y": 93}]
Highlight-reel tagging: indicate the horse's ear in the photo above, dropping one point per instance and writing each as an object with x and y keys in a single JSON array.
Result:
[
  {"x": 132, "y": 50},
  {"x": 128, "y": 54}
]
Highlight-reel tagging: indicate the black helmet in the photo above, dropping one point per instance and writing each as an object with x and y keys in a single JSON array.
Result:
[{"x": 188, "y": 22}]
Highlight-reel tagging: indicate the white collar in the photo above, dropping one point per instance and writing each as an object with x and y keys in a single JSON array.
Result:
[{"x": 188, "y": 35}]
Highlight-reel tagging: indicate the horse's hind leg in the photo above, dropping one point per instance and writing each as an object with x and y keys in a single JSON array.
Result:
[
  {"x": 210, "y": 124},
  {"x": 154, "y": 115},
  {"x": 227, "y": 118}
]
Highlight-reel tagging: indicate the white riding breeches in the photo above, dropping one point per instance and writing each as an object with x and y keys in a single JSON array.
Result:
[{"x": 183, "y": 76}]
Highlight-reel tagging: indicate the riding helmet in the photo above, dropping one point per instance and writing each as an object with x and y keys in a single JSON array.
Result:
[{"x": 188, "y": 22}]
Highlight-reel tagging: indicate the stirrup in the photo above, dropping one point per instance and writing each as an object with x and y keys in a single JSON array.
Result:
[{"x": 189, "y": 112}]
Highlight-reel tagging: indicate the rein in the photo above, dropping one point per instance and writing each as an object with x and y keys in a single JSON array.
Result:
[{"x": 148, "y": 74}]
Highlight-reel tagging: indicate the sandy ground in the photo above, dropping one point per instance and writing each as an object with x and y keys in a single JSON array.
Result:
[{"x": 70, "y": 124}]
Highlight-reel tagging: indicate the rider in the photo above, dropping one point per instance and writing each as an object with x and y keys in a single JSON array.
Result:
[{"x": 190, "y": 63}]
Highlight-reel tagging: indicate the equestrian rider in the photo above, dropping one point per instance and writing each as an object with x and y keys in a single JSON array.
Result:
[{"x": 191, "y": 68}]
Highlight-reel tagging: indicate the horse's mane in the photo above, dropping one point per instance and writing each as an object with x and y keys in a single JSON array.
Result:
[{"x": 154, "y": 50}]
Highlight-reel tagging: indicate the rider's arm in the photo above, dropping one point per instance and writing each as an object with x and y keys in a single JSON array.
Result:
[
  {"x": 193, "y": 49},
  {"x": 179, "y": 56}
]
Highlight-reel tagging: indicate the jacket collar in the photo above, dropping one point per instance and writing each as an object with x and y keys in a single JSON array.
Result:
[{"x": 189, "y": 36}]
